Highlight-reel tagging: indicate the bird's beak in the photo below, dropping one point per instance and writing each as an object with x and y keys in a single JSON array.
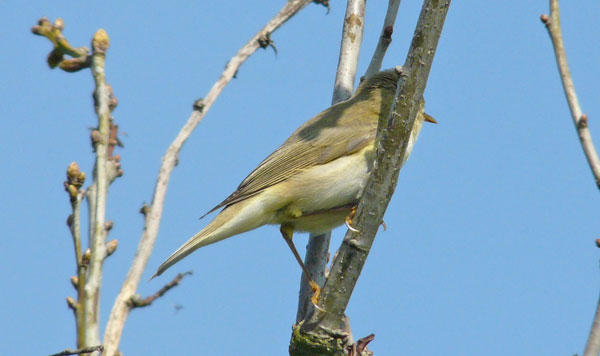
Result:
[{"x": 429, "y": 118}]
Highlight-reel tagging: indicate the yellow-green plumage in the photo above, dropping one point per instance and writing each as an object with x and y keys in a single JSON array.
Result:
[{"x": 311, "y": 182}]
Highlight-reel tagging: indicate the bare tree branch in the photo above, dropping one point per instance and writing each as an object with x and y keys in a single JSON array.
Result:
[
  {"x": 323, "y": 326},
  {"x": 580, "y": 120},
  {"x": 73, "y": 184},
  {"x": 153, "y": 214},
  {"x": 391, "y": 152},
  {"x": 100, "y": 44},
  {"x": 352, "y": 33},
  {"x": 552, "y": 23},
  {"x": 83, "y": 350},
  {"x": 138, "y": 302},
  {"x": 385, "y": 38},
  {"x": 317, "y": 250}
]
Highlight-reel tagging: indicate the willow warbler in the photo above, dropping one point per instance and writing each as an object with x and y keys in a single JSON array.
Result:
[{"x": 313, "y": 181}]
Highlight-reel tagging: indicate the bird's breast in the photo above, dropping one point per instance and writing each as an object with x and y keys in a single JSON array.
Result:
[{"x": 320, "y": 197}]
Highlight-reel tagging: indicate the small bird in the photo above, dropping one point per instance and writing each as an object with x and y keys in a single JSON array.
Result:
[{"x": 313, "y": 181}]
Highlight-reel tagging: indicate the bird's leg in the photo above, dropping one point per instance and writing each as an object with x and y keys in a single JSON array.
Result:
[
  {"x": 348, "y": 219},
  {"x": 287, "y": 231}
]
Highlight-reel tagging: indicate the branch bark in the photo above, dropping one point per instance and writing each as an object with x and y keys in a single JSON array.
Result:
[
  {"x": 322, "y": 328},
  {"x": 552, "y": 23},
  {"x": 100, "y": 44},
  {"x": 317, "y": 250},
  {"x": 121, "y": 309}
]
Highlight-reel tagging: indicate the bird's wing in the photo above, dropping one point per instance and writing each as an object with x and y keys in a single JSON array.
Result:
[{"x": 305, "y": 148}]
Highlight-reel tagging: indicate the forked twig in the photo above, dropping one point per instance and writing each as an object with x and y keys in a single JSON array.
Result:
[{"x": 138, "y": 302}]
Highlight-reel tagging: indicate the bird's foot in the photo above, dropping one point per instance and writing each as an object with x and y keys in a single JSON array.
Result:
[
  {"x": 348, "y": 219},
  {"x": 316, "y": 292}
]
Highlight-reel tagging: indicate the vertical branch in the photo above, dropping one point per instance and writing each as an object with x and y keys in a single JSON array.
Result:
[
  {"x": 580, "y": 120},
  {"x": 323, "y": 327},
  {"x": 317, "y": 250},
  {"x": 391, "y": 153},
  {"x": 153, "y": 213},
  {"x": 352, "y": 34},
  {"x": 87, "y": 305},
  {"x": 73, "y": 184},
  {"x": 385, "y": 38},
  {"x": 75, "y": 180},
  {"x": 100, "y": 44}
]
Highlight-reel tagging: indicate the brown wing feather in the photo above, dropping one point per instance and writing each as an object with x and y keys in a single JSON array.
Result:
[
  {"x": 340, "y": 130},
  {"x": 297, "y": 154}
]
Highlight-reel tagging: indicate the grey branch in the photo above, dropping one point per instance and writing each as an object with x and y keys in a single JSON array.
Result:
[
  {"x": 552, "y": 23},
  {"x": 120, "y": 311},
  {"x": 317, "y": 250},
  {"x": 385, "y": 38},
  {"x": 380, "y": 187},
  {"x": 84, "y": 350},
  {"x": 352, "y": 33}
]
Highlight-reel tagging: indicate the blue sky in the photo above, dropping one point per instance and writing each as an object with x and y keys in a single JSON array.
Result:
[{"x": 489, "y": 247}]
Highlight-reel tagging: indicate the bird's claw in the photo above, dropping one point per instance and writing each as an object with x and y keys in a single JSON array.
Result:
[
  {"x": 348, "y": 222},
  {"x": 348, "y": 219},
  {"x": 315, "y": 297}
]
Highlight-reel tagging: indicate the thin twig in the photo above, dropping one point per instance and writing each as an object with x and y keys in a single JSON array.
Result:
[
  {"x": 317, "y": 250},
  {"x": 83, "y": 350},
  {"x": 385, "y": 38},
  {"x": 138, "y": 302},
  {"x": 73, "y": 184},
  {"x": 121, "y": 309},
  {"x": 580, "y": 120},
  {"x": 391, "y": 152}
]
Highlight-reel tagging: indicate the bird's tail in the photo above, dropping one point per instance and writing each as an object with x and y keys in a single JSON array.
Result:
[{"x": 233, "y": 220}]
